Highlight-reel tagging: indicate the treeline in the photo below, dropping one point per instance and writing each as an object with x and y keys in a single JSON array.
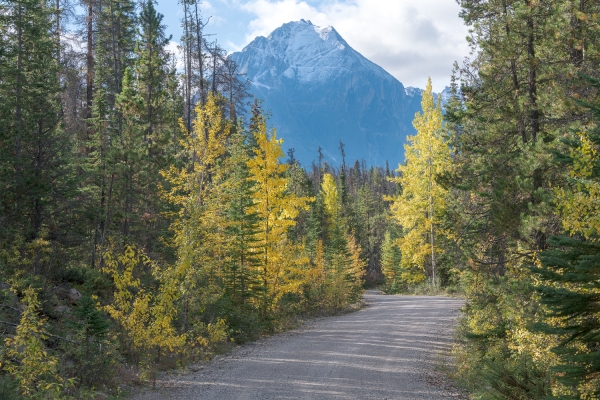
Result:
[
  {"x": 143, "y": 221},
  {"x": 503, "y": 200}
]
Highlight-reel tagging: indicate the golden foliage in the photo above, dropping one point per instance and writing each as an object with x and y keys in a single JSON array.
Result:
[
  {"x": 419, "y": 208},
  {"x": 331, "y": 196},
  {"x": 146, "y": 315},
  {"x": 579, "y": 206},
  {"x": 26, "y": 357},
  {"x": 276, "y": 209}
]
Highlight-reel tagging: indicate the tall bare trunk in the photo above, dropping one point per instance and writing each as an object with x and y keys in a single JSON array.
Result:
[
  {"x": 199, "y": 27},
  {"x": 19, "y": 96},
  {"x": 433, "y": 266},
  {"x": 90, "y": 59},
  {"x": 534, "y": 113},
  {"x": 188, "y": 68},
  {"x": 431, "y": 210}
]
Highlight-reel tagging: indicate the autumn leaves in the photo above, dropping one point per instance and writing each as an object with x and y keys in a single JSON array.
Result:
[
  {"x": 420, "y": 206},
  {"x": 237, "y": 271}
]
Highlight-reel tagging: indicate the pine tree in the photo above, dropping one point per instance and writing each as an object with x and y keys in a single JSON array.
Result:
[
  {"x": 240, "y": 272},
  {"x": 514, "y": 109},
  {"x": 390, "y": 262},
  {"x": 35, "y": 152},
  {"x": 570, "y": 280},
  {"x": 108, "y": 183}
]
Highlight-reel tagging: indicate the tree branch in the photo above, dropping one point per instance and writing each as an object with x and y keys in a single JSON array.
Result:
[{"x": 44, "y": 333}]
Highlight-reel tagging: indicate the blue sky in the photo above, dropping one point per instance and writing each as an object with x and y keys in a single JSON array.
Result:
[{"x": 411, "y": 39}]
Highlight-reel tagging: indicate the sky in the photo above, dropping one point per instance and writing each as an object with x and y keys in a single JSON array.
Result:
[{"x": 411, "y": 39}]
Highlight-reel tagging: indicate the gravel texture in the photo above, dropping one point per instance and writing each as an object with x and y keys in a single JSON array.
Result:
[{"x": 387, "y": 350}]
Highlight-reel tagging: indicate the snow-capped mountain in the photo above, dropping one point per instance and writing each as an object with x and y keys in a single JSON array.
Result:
[{"x": 320, "y": 91}]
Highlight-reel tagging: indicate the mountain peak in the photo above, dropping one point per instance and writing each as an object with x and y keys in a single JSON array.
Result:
[
  {"x": 303, "y": 52},
  {"x": 320, "y": 91}
]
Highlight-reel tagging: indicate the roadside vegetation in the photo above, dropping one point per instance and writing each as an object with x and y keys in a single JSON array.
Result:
[
  {"x": 149, "y": 218},
  {"x": 501, "y": 203}
]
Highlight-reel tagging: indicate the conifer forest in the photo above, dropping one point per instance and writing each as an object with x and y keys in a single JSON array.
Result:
[{"x": 149, "y": 217}]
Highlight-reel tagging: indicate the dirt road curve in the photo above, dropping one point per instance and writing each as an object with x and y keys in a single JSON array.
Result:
[{"x": 385, "y": 351}]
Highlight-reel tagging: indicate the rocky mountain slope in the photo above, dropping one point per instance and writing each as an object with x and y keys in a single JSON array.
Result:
[{"x": 320, "y": 91}]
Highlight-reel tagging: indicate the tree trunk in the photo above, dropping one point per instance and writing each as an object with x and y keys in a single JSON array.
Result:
[
  {"x": 199, "y": 27},
  {"x": 188, "y": 69},
  {"x": 534, "y": 113},
  {"x": 18, "y": 105},
  {"x": 90, "y": 59}
]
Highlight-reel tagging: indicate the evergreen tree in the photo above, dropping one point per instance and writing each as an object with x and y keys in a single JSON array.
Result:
[
  {"x": 390, "y": 262},
  {"x": 35, "y": 152},
  {"x": 145, "y": 104},
  {"x": 516, "y": 98},
  {"x": 240, "y": 276},
  {"x": 315, "y": 225},
  {"x": 108, "y": 184},
  {"x": 571, "y": 293},
  {"x": 569, "y": 273}
]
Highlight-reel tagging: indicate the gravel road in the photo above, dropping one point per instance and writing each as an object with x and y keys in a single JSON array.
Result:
[{"x": 386, "y": 350}]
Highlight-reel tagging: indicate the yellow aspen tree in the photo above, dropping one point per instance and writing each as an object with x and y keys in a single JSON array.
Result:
[
  {"x": 146, "y": 314},
  {"x": 355, "y": 273},
  {"x": 422, "y": 202},
  {"x": 204, "y": 146},
  {"x": 335, "y": 226},
  {"x": 199, "y": 224},
  {"x": 331, "y": 197},
  {"x": 276, "y": 209},
  {"x": 579, "y": 205},
  {"x": 28, "y": 360}
]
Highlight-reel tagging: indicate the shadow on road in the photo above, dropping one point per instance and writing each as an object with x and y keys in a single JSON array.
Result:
[{"x": 383, "y": 351}]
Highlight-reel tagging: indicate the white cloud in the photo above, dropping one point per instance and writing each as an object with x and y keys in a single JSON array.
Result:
[
  {"x": 173, "y": 48},
  {"x": 206, "y": 5},
  {"x": 411, "y": 39}
]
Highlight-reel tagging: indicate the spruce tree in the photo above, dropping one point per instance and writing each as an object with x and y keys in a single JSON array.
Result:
[
  {"x": 107, "y": 182},
  {"x": 35, "y": 152},
  {"x": 240, "y": 275},
  {"x": 160, "y": 133},
  {"x": 390, "y": 262},
  {"x": 571, "y": 292},
  {"x": 570, "y": 278}
]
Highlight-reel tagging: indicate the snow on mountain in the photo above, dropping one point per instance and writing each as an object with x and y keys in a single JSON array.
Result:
[
  {"x": 416, "y": 92},
  {"x": 413, "y": 91},
  {"x": 320, "y": 91}
]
